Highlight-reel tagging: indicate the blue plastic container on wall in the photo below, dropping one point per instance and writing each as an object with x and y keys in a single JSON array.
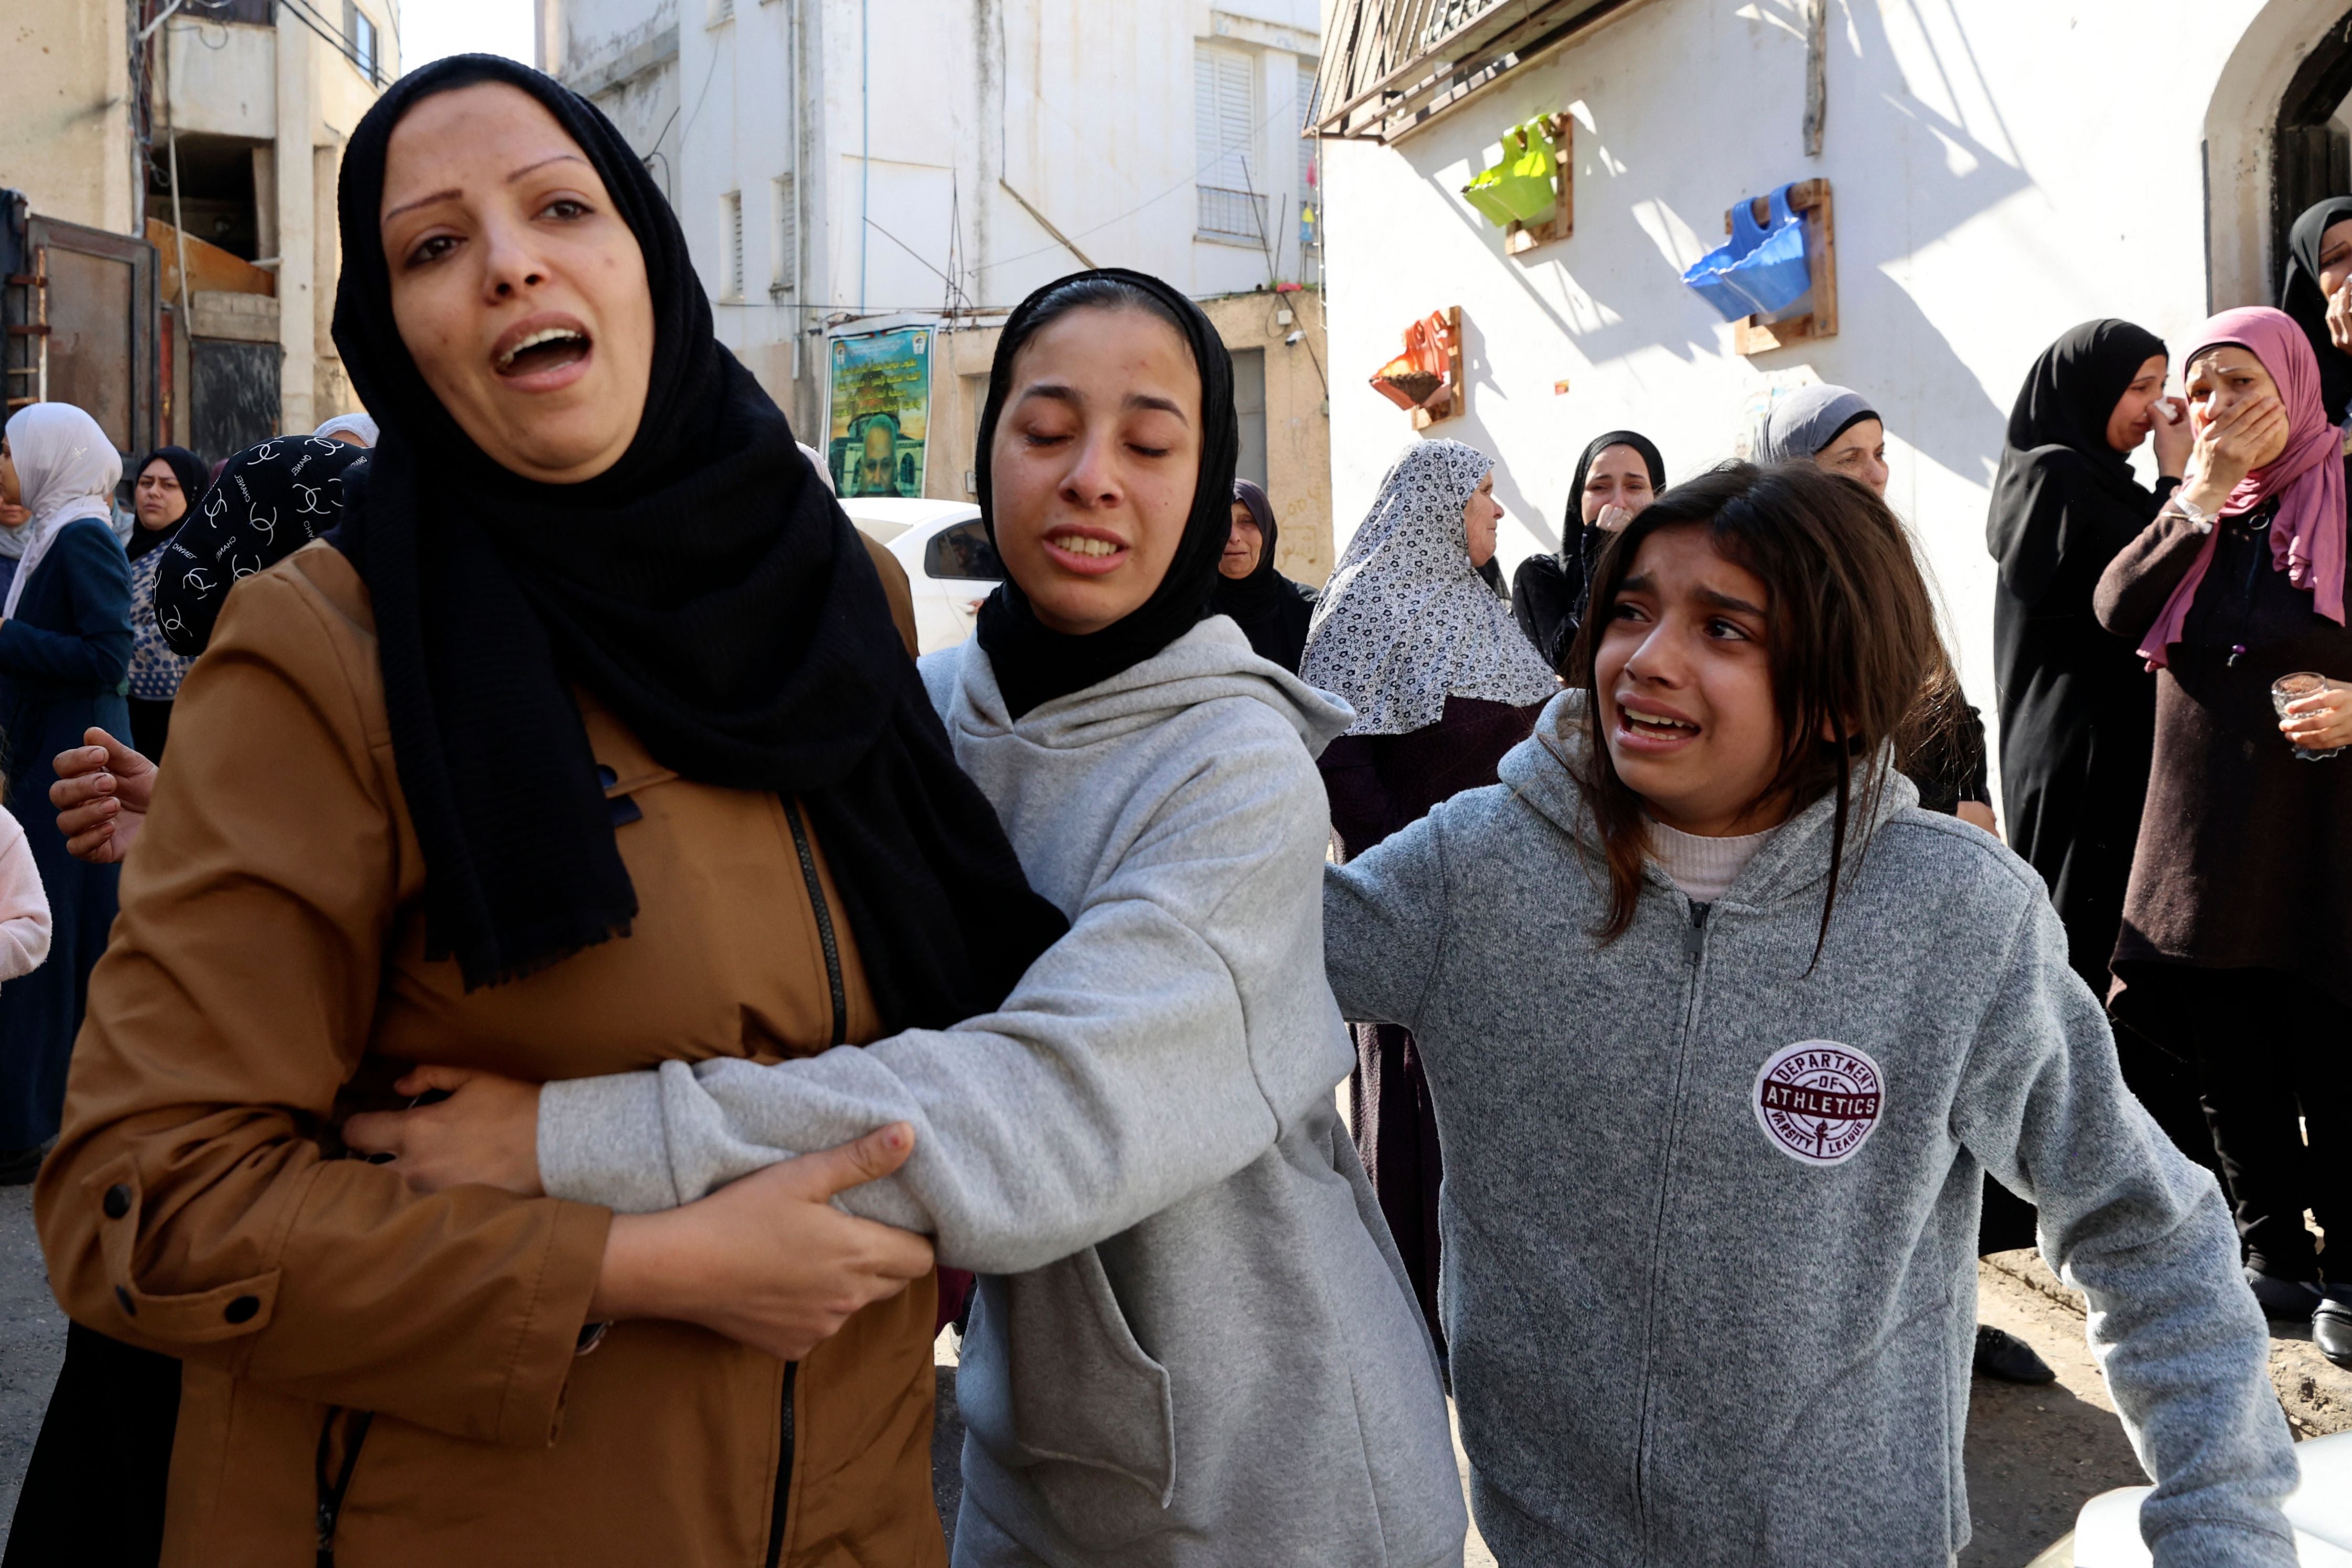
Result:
[{"x": 1761, "y": 270}]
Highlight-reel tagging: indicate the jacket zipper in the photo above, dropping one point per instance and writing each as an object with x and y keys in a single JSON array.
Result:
[
  {"x": 1694, "y": 950},
  {"x": 824, "y": 921},
  {"x": 783, "y": 1470},
  {"x": 331, "y": 1494}
]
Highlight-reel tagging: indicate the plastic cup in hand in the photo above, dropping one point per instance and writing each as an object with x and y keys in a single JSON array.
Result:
[{"x": 2295, "y": 688}]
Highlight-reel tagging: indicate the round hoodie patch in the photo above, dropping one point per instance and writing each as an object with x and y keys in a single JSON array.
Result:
[{"x": 1818, "y": 1100}]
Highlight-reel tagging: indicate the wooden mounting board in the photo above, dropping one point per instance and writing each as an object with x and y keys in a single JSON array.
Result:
[
  {"x": 1518, "y": 239},
  {"x": 1810, "y": 201}
]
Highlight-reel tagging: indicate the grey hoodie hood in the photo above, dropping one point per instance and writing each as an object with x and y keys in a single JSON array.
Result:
[
  {"x": 1212, "y": 660},
  {"x": 1542, "y": 771}
]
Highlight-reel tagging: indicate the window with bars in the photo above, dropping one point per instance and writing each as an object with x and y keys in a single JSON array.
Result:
[
  {"x": 1223, "y": 123},
  {"x": 731, "y": 243},
  {"x": 786, "y": 233}
]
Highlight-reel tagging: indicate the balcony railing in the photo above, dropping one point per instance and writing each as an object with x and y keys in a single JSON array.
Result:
[
  {"x": 1391, "y": 65},
  {"x": 1232, "y": 214}
]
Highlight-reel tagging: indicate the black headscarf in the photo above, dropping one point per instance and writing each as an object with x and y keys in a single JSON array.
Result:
[
  {"x": 1272, "y": 611},
  {"x": 1548, "y": 591},
  {"x": 1033, "y": 664},
  {"x": 706, "y": 588},
  {"x": 269, "y": 501},
  {"x": 2300, "y": 297},
  {"x": 190, "y": 471},
  {"x": 2061, "y": 414}
]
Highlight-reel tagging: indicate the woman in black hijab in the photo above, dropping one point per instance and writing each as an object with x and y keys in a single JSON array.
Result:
[
  {"x": 1271, "y": 609},
  {"x": 637, "y": 688},
  {"x": 2077, "y": 704},
  {"x": 1548, "y": 591},
  {"x": 2318, "y": 262}
]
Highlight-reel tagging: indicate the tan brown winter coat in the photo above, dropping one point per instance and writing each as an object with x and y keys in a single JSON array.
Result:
[{"x": 267, "y": 969}]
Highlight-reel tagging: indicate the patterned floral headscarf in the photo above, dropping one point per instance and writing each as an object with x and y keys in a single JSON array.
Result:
[{"x": 1406, "y": 620}]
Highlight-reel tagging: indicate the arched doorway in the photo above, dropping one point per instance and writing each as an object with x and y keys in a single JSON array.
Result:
[
  {"x": 2311, "y": 151},
  {"x": 2272, "y": 141}
]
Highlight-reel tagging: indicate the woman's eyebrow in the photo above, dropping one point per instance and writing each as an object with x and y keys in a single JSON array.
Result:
[
  {"x": 543, "y": 163},
  {"x": 1718, "y": 599},
  {"x": 450, "y": 195},
  {"x": 452, "y": 192},
  {"x": 1153, "y": 400}
]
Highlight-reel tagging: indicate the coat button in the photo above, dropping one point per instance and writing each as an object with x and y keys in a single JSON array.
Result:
[
  {"x": 242, "y": 1309},
  {"x": 123, "y": 1298},
  {"x": 117, "y": 1202}
]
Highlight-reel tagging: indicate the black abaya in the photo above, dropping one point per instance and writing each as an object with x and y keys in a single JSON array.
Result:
[
  {"x": 2077, "y": 702},
  {"x": 2300, "y": 297}
]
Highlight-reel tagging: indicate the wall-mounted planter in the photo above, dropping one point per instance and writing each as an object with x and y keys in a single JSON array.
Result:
[
  {"x": 1816, "y": 315},
  {"x": 1520, "y": 189},
  {"x": 1426, "y": 379}
]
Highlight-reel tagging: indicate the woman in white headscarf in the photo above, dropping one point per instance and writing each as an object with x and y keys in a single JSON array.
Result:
[
  {"x": 65, "y": 659},
  {"x": 1442, "y": 682},
  {"x": 351, "y": 429}
]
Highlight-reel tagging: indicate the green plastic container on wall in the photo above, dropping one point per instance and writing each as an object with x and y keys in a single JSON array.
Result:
[{"x": 1520, "y": 188}]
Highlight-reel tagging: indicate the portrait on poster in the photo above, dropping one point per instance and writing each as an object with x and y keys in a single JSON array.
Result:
[{"x": 878, "y": 411}]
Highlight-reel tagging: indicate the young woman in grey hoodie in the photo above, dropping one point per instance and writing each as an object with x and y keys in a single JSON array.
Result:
[
  {"x": 1723, "y": 1032},
  {"x": 1192, "y": 1341}
]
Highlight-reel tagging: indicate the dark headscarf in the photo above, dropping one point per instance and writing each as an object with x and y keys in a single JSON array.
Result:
[
  {"x": 269, "y": 501},
  {"x": 190, "y": 471},
  {"x": 1033, "y": 664},
  {"x": 2059, "y": 426},
  {"x": 2300, "y": 297},
  {"x": 1271, "y": 609},
  {"x": 706, "y": 589},
  {"x": 1548, "y": 591}
]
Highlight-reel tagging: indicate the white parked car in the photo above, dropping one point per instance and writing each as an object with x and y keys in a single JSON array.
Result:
[{"x": 951, "y": 566}]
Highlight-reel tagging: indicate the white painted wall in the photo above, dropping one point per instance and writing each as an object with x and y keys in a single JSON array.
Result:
[
  {"x": 900, "y": 121},
  {"x": 2003, "y": 169}
]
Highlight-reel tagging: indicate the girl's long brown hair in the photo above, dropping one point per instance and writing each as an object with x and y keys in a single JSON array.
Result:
[{"x": 1850, "y": 633}]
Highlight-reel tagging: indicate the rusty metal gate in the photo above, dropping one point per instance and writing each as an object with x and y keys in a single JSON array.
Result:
[{"x": 79, "y": 312}]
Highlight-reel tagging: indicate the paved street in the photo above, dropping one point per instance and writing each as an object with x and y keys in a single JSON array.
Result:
[{"x": 2033, "y": 1454}]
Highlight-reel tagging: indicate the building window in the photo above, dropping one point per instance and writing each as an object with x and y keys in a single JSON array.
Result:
[
  {"x": 1249, "y": 414},
  {"x": 721, "y": 11},
  {"x": 1223, "y": 123},
  {"x": 731, "y": 245},
  {"x": 786, "y": 236},
  {"x": 361, "y": 31}
]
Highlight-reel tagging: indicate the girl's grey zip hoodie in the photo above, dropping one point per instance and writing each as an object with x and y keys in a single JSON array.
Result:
[
  {"x": 1710, "y": 1207},
  {"x": 1193, "y": 1342}
]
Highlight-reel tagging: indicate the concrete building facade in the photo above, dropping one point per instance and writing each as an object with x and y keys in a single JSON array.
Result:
[
  {"x": 841, "y": 164},
  {"x": 212, "y": 130},
  {"x": 1999, "y": 171}
]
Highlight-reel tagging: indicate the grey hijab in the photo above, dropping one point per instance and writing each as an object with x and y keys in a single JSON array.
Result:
[{"x": 1809, "y": 419}]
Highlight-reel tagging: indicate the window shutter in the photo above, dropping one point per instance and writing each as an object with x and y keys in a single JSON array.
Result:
[
  {"x": 1223, "y": 121},
  {"x": 788, "y": 236},
  {"x": 732, "y": 238}
]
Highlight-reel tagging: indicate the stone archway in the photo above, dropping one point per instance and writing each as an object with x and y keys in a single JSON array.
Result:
[{"x": 2267, "y": 143}]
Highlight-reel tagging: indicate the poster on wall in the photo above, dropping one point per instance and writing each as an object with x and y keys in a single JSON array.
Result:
[{"x": 879, "y": 403}]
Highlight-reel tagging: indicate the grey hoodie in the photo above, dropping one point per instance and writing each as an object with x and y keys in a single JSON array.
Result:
[
  {"x": 1193, "y": 1341},
  {"x": 1710, "y": 1209}
]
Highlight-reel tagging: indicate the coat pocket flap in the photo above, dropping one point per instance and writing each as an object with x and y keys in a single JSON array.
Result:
[{"x": 1082, "y": 1389}]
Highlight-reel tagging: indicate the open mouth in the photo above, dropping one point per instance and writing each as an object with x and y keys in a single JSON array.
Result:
[
  {"x": 1653, "y": 728},
  {"x": 541, "y": 352},
  {"x": 1088, "y": 552}
]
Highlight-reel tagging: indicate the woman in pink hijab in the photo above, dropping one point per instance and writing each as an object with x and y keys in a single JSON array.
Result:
[{"x": 2237, "y": 936}]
